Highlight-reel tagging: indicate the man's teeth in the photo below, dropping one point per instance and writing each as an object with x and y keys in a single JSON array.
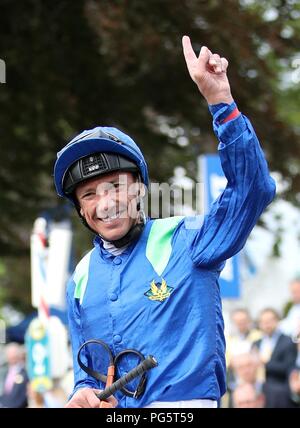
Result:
[{"x": 113, "y": 217}]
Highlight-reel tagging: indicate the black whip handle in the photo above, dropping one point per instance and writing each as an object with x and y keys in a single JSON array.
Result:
[{"x": 145, "y": 365}]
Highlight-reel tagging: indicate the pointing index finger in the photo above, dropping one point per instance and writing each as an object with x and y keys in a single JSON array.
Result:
[{"x": 188, "y": 51}]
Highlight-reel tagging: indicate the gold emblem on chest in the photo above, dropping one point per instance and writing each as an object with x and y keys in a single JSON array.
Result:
[{"x": 159, "y": 292}]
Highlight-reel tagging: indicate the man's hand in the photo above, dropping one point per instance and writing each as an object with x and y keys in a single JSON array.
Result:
[
  {"x": 86, "y": 398},
  {"x": 294, "y": 382},
  {"x": 208, "y": 71}
]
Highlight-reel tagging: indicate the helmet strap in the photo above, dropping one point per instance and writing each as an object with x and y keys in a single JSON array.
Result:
[{"x": 134, "y": 233}]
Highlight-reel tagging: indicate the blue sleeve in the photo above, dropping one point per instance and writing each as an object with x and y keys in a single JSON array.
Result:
[
  {"x": 81, "y": 379},
  {"x": 223, "y": 232}
]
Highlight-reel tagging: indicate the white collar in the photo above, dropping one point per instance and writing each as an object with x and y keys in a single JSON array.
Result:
[{"x": 108, "y": 246}]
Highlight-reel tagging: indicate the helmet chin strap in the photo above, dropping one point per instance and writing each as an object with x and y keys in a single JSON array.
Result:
[{"x": 134, "y": 233}]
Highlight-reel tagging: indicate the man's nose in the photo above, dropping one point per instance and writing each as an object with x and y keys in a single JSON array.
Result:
[{"x": 105, "y": 204}]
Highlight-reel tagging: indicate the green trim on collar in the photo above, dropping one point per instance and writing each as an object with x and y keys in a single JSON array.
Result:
[
  {"x": 81, "y": 276},
  {"x": 158, "y": 250}
]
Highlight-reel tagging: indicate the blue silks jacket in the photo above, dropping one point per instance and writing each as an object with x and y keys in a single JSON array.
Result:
[{"x": 161, "y": 295}]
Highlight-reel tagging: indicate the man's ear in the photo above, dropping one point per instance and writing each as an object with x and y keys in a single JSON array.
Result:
[
  {"x": 81, "y": 212},
  {"x": 142, "y": 190}
]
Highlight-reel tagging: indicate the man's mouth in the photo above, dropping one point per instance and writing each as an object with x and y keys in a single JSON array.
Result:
[{"x": 111, "y": 218}]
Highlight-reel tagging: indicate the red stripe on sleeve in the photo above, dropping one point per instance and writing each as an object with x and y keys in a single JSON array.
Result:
[{"x": 232, "y": 115}]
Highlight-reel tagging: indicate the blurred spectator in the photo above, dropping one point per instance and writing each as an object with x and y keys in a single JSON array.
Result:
[
  {"x": 290, "y": 325},
  {"x": 15, "y": 383},
  {"x": 54, "y": 398},
  {"x": 244, "y": 369},
  {"x": 246, "y": 396},
  {"x": 35, "y": 398},
  {"x": 278, "y": 352},
  {"x": 239, "y": 342},
  {"x": 243, "y": 335},
  {"x": 3, "y": 368},
  {"x": 294, "y": 380}
]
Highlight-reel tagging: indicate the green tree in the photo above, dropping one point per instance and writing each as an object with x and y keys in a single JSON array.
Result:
[{"x": 73, "y": 65}]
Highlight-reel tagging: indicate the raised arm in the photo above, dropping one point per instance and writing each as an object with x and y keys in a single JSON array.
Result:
[{"x": 223, "y": 232}]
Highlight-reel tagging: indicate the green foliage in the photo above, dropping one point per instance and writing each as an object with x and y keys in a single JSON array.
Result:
[
  {"x": 287, "y": 309},
  {"x": 72, "y": 65}
]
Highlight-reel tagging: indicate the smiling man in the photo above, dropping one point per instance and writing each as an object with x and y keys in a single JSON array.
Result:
[
  {"x": 108, "y": 204},
  {"x": 150, "y": 287}
]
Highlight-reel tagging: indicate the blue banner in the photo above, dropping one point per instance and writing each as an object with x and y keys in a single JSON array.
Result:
[
  {"x": 38, "y": 356},
  {"x": 214, "y": 182}
]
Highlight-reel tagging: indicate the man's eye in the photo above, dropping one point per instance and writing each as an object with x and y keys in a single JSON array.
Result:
[{"x": 88, "y": 194}]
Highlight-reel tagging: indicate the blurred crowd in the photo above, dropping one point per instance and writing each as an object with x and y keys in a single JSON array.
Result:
[
  {"x": 16, "y": 390},
  {"x": 263, "y": 364},
  {"x": 263, "y": 357}
]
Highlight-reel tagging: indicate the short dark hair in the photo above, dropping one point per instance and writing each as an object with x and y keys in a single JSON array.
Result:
[
  {"x": 243, "y": 310},
  {"x": 272, "y": 310}
]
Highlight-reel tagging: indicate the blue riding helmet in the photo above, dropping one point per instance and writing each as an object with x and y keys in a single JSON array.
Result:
[{"x": 96, "y": 152}]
